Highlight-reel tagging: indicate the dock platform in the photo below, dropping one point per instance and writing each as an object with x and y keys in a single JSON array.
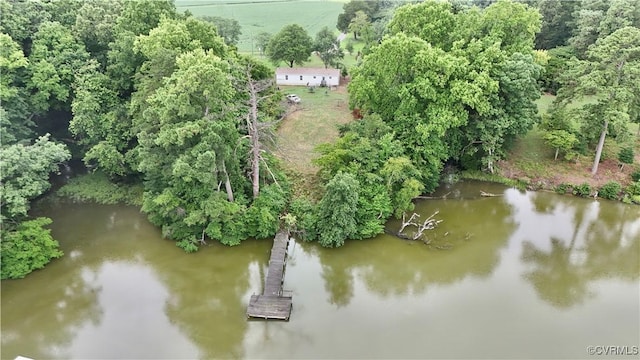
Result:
[{"x": 274, "y": 303}]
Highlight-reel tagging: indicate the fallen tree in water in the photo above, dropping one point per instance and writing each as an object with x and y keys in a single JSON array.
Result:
[
  {"x": 420, "y": 227},
  {"x": 443, "y": 197},
  {"x": 486, "y": 194}
]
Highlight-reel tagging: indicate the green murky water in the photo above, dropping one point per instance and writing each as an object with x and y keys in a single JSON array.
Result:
[{"x": 526, "y": 275}]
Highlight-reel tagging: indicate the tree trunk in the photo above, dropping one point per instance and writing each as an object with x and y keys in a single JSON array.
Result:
[
  {"x": 556, "y": 157},
  {"x": 255, "y": 146},
  {"x": 355, "y": 35},
  {"x": 291, "y": 63},
  {"x": 253, "y": 126},
  {"x": 490, "y": 162},
  {"x": 227, "y": 183},
  {"x": 603, "y": 135}
]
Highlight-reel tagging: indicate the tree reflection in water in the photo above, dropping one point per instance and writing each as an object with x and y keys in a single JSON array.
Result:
[
  {"x": 473, "y": 230},
  {"x": 57, "y": 312},
  {"x": 604, "y": 244}
]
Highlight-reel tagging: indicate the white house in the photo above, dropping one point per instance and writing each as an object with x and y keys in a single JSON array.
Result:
[{"x": 307, "y": 76}]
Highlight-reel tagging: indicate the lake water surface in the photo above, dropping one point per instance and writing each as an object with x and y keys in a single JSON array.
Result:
[{"x": 522, "y": 275}]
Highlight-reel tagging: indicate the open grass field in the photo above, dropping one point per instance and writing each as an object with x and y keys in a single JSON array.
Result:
[
  {"x": 256, "y": 16},
  {"x": 312, "y": 122}
]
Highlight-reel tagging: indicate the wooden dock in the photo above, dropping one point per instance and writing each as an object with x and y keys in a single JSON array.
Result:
[{"x": 274, "y": 303}]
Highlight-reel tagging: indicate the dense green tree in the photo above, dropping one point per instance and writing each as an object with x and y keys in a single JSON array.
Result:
[
  {"x": 55, "y": 58},
  {"x": 328, "y": 48},
  {"x": 431, "y": 21},
  {"x": 21, "y": 20},
  {"x": 160, "y": 48},
  {"x": 611, "y": 73},
  {"x": 188, "y": 146},
  {"x": 138, "y": 17},
  {"x": 557, "y": 23},
  {"x": 620, "y": 14},
  {"x": 513, "y": 24},
  {"x": 402, "y": 183},
  {"x": 292, "y": 45},
  {"x": 262, "y": 41},
  {"x": 26, "y": 248},
  {"x": 229, "y": 29},
  {"x": 588, "y": 18},
  {"x": 359, "y": 24},
  {"x": 463, "y": 82},
  {"x": 63, "y": 11},
  {"x": 599, "y": 18},
  {"x": 337, "y": 210},
  {"x": 349, "y": 12},
  {"x": 421, "y": 92},
  {"x": 25, "y": 173},
  {"x": 101, "y": 124},
  {"x": 15, "y": 123},
  {"x": 561, "y": 140},
  {"x": 94, "y": 25},
  {"x": 513, "y": 111},
  {"x": 556, "y": 66},
  {"x": 388, "y": 180},
  {"x": 102, "y": 121}
]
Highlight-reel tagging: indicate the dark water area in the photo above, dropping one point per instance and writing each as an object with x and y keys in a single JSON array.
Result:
[{"x": 524, "y": 275}]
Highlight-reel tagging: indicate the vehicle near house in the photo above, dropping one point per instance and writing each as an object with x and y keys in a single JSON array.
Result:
[{"x": 293, "y": 98}]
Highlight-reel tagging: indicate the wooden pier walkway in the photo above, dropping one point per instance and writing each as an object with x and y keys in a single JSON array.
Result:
[{"x": 274, "y": 303}]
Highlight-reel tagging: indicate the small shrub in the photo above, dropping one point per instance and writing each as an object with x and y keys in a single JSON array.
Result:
[
  {"x": 583, "y": 190},
  {"x": 344, "y": 72},
  {"x": 610, "y": 190},
  {"x": 305, "y": 213},
  {"x": 562, "y": 188},
  {"x": 633, "y": 189},
  {"x": 635, "y": 176},
  {"x": 625, "y": 156},
  {"x": 187, "y": 245}
]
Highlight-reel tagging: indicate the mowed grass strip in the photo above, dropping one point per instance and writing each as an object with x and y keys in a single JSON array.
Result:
[
  {"x": 267, "y": 16},
  {"x": 312, "y": 122}
]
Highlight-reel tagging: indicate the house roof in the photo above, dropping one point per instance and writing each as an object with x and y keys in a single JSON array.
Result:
[{"x": 308, "y": 71}]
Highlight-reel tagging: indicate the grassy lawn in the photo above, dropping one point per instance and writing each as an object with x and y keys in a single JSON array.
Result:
[
  {"x": 532, "y": 160},
  {"x": 270, "y": 16},
  {"x": 544, "y": 103},
  {"x": 312, "y": 122}
]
